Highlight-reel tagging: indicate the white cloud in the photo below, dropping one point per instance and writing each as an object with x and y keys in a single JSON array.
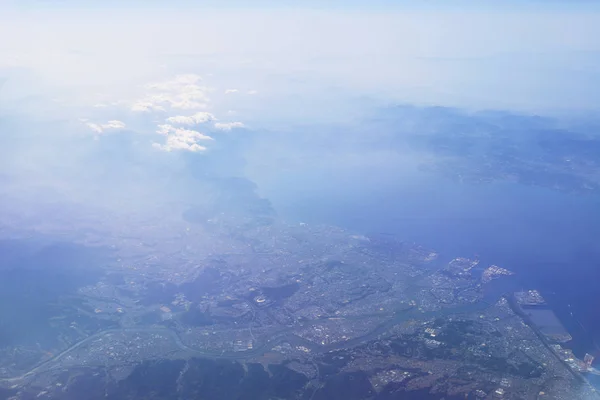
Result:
[
  {"x": 188, "y": 105},
  {"x": 99, "y": 128},
  {"x": 95, "y": 127},
  {"x": 177, "y": 144},
  {"x": 227, "y": 126},
  {"x": 167, "y": 129},
  {"x": 251, "y": 92},
  {"x": 114, "y": 124},
  {"x": 229, "y": 91},
  {"x": 198, "y": 118},
  {"x": 182, "y": 92},
  {"x": 146, "y": 106},
  {"x": 180, "y": 139}
]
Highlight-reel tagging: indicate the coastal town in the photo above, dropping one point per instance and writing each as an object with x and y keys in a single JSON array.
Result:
[{"x": 394, "y": 315}]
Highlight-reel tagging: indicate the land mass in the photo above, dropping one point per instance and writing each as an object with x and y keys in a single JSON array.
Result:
[{"x": 188, "y": 303}]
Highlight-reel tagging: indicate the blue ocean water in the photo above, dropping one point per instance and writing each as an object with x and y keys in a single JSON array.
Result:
[{"x": 549, "y": 238}]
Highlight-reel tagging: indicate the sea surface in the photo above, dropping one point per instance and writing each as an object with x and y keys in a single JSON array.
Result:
[{"x": 549, "y": 238}]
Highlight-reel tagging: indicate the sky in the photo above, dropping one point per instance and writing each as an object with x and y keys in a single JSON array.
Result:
[
  {"x": 328, "y": 4},
  {"x": 532, "y": 58},
  {"x": 140, "y": 87}
]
